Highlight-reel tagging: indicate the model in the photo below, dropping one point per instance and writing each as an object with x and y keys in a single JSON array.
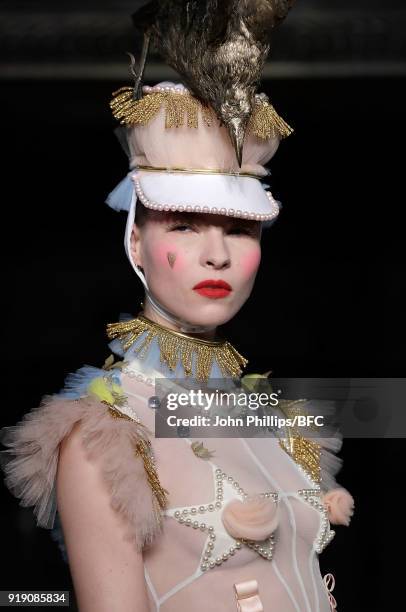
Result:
[{"x": 180, "y": 523}]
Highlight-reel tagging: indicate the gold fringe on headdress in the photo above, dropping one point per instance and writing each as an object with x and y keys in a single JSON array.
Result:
[
  {"x": 265, "y": 122},
  {"x": 141, "y": 112},
  {"x": 175, "y": 346}
]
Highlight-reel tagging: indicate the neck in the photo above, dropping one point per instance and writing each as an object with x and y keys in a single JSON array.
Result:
[
  {"x": 154, "y": 316},
  {"x": 173, "y": 352}
]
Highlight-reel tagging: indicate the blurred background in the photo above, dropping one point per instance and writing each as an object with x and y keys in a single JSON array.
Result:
[{"x": 328, "y": 300}]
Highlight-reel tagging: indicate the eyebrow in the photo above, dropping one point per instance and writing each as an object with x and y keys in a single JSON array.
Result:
[{"x": 204, "y": 219}]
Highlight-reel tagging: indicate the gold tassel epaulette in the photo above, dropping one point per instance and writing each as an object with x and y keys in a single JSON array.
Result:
[
  {"x": 304, "y": 451},
  {"x": 176, "y": 347},
  {"x": 265, "y": 122}
]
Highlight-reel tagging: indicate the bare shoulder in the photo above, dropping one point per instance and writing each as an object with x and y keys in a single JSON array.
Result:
[{"x": 106, "y": 568}]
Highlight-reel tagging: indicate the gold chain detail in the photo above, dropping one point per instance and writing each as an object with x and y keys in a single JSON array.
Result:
[
  {"x": 265, "y": 122},
  {"x": 197, "y": 171},
  {"x": 143, "y": 449},
  {"x": 175, "y": 346},
  {"x": 304, "y": 451}
]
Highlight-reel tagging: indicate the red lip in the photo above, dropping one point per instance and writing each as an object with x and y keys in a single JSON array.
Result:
[
  {"x": 213, "y": 289},
  {"x": 213, "y": 283}
]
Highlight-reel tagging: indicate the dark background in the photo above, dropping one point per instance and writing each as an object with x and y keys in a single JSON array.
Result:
[{"x": 328, "y": 297}]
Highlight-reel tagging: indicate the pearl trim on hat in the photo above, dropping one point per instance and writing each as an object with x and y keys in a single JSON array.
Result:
[
  {"x": 181, "y": 89},
  {"x": 230, "y": 212}
]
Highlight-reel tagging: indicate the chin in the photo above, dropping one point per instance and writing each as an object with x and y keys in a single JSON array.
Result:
[{"x": 212, "y": 314}]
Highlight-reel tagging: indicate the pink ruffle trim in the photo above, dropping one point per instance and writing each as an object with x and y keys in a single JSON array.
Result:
[{"x": 31, "y": 460}]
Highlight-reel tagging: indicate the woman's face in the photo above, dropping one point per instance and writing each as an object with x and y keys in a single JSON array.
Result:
[{"x": 201, "y": 267}]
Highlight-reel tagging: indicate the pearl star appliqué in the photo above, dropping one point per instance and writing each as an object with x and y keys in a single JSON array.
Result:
[{"x": 220, "y": 545}]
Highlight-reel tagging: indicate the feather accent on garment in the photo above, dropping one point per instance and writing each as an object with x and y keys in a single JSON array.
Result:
[{"x": 31, "y": 460}]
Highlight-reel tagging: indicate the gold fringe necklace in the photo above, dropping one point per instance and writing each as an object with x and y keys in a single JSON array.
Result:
[{"x": 175, "y": 346}]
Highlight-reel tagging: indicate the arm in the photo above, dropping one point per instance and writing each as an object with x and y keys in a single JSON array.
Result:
[{"x": 107, "y": 570}]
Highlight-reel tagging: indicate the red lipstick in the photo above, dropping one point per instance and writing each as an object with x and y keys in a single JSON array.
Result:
[{"x": 213, "y": 289}]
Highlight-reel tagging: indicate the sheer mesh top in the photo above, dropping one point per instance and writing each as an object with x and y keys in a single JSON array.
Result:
[{"x": 194, "y": 563}]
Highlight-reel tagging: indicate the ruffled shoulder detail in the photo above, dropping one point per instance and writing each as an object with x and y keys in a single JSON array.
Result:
[
  {"x": 117, "y": 442},
  {"x": 315, "y": 454}
]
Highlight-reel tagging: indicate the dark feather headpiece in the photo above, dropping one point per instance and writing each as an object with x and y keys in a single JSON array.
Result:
[{"x": 218, "y": 47}]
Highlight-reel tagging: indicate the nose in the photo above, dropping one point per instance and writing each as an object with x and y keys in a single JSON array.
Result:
[{"x": 215, "y": 254}]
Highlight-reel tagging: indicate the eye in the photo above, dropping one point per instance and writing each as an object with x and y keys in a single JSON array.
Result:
[{"x": 181, "y": 227}]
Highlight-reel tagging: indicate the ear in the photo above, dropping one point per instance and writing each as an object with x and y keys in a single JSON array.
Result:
[{"x": 135, "y": 246}]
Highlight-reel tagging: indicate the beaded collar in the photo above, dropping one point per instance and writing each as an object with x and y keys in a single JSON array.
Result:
[{"x": 198, "y": 357}]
